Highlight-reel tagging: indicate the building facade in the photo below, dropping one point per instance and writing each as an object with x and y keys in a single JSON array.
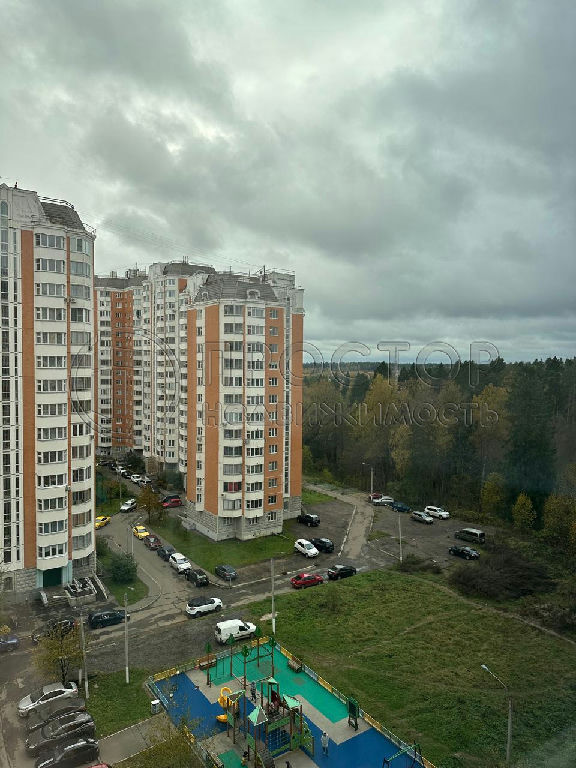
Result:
[
  {"x": 47, "y": 472},
  {"x": 208, "y": 373}
]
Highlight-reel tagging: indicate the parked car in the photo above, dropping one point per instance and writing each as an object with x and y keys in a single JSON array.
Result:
[
  {"x": 8, "y": 643},
  {"x": 119, "y": 469},
  {"x": 101, "y": 521},
  {"x": 236, "y": 628},
  {"x": 312, "y": 521},
  {"x": 165, "y": 551},
  {"x": 226, "y": 572},
  {"x": 172, "y": 503},
  {"x": 107, "y": 618},
  {"x": 304, "y": 580},
  {"x": 198, "y": 577},
  {"x": 49, "y": 692},
  {"x": 323, "y": 545},
  {"x": 53, "y": 710},
  {"x": 199, "y": 605},
  {"x": 170, "y": 497},
  {"x": 373, "y": 496},
  {"x": 466, "y": 552},
  {"x": 179, "y": 562},
  {"x": 60, "y": 729},
  {"x": 55, "y": 628},
  {"x": 128, "y": 505},
  {"x": 422, "y": 517},
  {"x": 438, "y": 512},
  {"x": 69, "y": 754},
  {"x": 399, "y": 506},
  {"x": 152, "y": 542},
  {"x": 126, "y": 473},
  {"x": 383, "y": 501},
  {"x": 340, "y": 571},
  {"x": 136, "y": 479},
  {"x": 471, "y": 534},
  {"x": 144, "y": 481},
  {"x": 140, "y": 531},
  {"x": 305, "y": 548}
]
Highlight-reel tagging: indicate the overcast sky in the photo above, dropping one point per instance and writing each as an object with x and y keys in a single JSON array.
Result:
[{"x": 412, "y": 162}]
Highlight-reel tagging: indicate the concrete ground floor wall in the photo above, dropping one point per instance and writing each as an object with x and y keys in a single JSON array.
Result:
[{"x": 29, "y": 579}]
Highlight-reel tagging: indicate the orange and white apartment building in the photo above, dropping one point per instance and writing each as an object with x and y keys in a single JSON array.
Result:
[
  {"x": 201, "y": 371},
  {"x": 47, "y": 470}
]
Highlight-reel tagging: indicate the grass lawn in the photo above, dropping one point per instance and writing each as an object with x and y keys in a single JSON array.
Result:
[
  {"x": 136, "y": 590},
  {"x": 314, "y": 497},
  {"x": 208, "y": 553},
  {"x": 115, "y": 705},
  {"x": 411, "y": 654}
]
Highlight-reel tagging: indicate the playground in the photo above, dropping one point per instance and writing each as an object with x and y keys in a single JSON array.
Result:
[{"x": 259, "y": 706}]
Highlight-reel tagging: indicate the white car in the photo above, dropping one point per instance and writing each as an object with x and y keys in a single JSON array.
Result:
[
  {"x": 144, "y": 481},
  {"x": 200, "y": 605},
  {"x": 50, "y": 692},
  {"x": 305, "y": 548},
  {"x": 421, "y": 517},
  {"x": 135, "y": 478},
  {"x": 438, "y": 512},
  {"x": 383, "y": 501},
  {"x": 128, "y": 505},
  {"x": 179, "y": 562}
]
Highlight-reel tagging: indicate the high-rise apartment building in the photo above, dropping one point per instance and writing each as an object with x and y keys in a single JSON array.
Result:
[
  {"x": 46, "y": 306},
  {"x": 202, "y": 371}
]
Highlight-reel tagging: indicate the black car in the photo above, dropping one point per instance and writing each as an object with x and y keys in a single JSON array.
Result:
[
  {"x": 323, "y": 545},
  {"x": 69, "y": 754},
  {"x": 226, "y": 572},
  {"x": 106, "y": 618},
  {"x": 341, "y": 572},
  {"x": 399, "y": 506},
  {"x": 307, "y": 519},
  {"x": 198, "y": 577},
  {"x": 165, "y": 551},
  {"x": 8, "y": 643},
  {"x": 60, "y": 729},
  {"x": 466, "y": 552},
  {"x": 55, "y": 628},
  {"x": 52, "y": 711}
]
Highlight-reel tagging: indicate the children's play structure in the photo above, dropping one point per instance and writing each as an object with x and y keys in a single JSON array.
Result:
[{"x": 260, "y": 706}]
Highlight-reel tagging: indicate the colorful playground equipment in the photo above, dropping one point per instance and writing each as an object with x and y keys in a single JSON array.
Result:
[{"x": 228, "y": 704}]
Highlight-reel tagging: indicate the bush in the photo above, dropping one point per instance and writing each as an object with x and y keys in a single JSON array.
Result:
[
  {"x": 505, "y": 575},
  {"x": 102, "y": 547},
  {"x": 414, "y": 564},
  {"x": 122, "y": 568}
]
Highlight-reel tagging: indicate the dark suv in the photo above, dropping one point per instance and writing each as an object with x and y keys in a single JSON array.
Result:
[
  {"x": 55, "y": 628},
  {"x": 196, "y": 576},
  {"x": 106, "y": 618},
  {"x": 307, "y": 519},
  {"x": 323, "y": 545},
  {"x": 399, "y": 506}
]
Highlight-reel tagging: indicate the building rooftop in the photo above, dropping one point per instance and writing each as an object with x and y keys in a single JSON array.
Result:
[
  {"x": 227, "y": 285},
  {"x": 63, "y": 214}
]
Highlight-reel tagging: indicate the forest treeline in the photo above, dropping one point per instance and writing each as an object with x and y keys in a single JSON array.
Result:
[{"x": 496, "y": 439}]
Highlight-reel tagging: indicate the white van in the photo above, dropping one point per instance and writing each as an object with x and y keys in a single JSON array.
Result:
[{"x": 236, "y": 628}]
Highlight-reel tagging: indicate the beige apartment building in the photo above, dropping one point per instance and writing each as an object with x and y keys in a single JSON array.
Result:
[
  {"x": 47, "y": 472},
  {"x": 201, "y": 371}
]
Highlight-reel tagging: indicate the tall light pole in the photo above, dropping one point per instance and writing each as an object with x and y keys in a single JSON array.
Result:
[
  {"x": 126, "y": 637},
  {"x": 83, "y": 644},
  {"x": 400, "y": 533},
  {"x": 273, "y": 608},
  {"x": 364, "y": 464},
  {"x": 509, "y": 736}
]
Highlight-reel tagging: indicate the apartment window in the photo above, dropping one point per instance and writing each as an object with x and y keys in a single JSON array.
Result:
[
  {"x": 232, "y": 346},
  {"x": 254, "y": 452},
  {"x": 54, "y": 550},
  {"x": 273, "y": 366},
  {"x": 80, "y": 269},
  {"x": 50, "y": 337},
  {"x": 50, "y": 361},
  {"x": 255, "y": 383},
  {"x": 232, "y": 450},
  {"x": 233, "y": 309},
  {"x": 273, "y": 381},
  {"x": 79, "y": 315},
  {"x": 254, "y": 469},
  {"x": 253, "y": 503},
  {"x": 81, "y": 518},
  {"x": 52, "y": 409},
  {"x": 50, "y": 289},
  {"x": 49, "y": 241},
  {"x": 82, "y": 292},
  {"x": 273, "y": 314},
  {"x": 232, "y": 469},
  {"x": 80, "y": 245},
  {"x": 252, "y": 487},
  {"x": 232, "y": 486},
  {"x": 273, "y": 432},
  {"x": 272, "y": 399},
  {"x": 56, "y": 526},
  {"x": 50, "y": 313},
  {"x": 51, "y": 457},
  {"x": 48, "y": 505},
  {"x": 273, "y": 348},
  {"x": 272, "y": 482},
  {"x": 273, "y": 330},
  {"x": 81, "y": 542},
  {"x": 50, "y": 265},
  {"x": 255, "y": 400},
  {"x": 232, "y": 434},
  {"x": 51, "y": 433},
  {"x": 255, "y": 346},
  {"x": 255, "y": 312},
  {"x": 48, "y": 481},
  {"x": 233, "y": 328},
  {"x": 272, "y": 516},
  {"x": 251, "y": 521},
  {"x": 273, "y": 416},
  {"x": 255, "y": 434},
  {"x": 272, "y": 466},
  {"x": 272, "y": 449},
  {"x": 272, "y": 499},
  {"x": 229, "y": 505},
  {"x": 51, "y": 385},
  {"x": 80, "y": 338},
  {"x": 255, "y": 330}
]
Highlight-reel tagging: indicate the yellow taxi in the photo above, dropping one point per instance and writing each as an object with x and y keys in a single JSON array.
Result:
[
  {"x": 101, "y": 521},
  {"x": 140, "y": 531}
]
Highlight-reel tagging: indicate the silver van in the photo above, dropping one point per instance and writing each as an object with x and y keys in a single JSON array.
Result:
[
  {"x": 236, "y": 628},
  {"x": 471, "y": 534}
]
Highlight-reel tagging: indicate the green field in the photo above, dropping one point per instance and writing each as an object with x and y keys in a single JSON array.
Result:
[
  {"x": 310, "y": 497},
  {"x": 115, "y": 705},
  {"x": 208, "y": 553},
  {"x": 411, "y": 654},
  {"x": 135, "y": 590}
]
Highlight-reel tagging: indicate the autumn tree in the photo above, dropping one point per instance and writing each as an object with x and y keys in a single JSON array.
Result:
[
  {"x": 558, "y": 520},
  {"x": 523, "y": 513},
  {"x": 493, "y": 495},
  {"x": 149, "y": 502},
  {"x": 59, "y": 652}
]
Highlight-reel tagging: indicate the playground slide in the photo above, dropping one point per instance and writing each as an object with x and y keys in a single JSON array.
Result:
[{"x": 224, "y": 702}]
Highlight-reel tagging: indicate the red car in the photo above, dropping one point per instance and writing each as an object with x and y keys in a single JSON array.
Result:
[
  {"x": 303, "y": 580},
  {"x": 152, "y": 542},
  {"x": 172, "y": 503}
]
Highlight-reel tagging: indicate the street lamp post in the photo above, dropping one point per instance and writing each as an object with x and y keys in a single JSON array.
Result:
[
  {"x": 509, "y": 735},
  {"x": 364, "y": 464}
]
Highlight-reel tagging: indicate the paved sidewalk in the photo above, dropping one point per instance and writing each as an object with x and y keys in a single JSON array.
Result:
[
  {"x": 122, "y": 745},
  {"x": 360, "y": 523}
]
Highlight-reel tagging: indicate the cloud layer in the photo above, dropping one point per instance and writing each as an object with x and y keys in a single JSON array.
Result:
[{"x": 413, "y": 163}]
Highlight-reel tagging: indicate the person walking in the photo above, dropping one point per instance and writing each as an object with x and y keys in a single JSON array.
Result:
[
  {"x": 324, "y": 742},
  {"x": 253, "y": 691}
]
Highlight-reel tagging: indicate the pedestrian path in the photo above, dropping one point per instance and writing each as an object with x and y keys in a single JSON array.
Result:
[{"x": 123, "y": 744}]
